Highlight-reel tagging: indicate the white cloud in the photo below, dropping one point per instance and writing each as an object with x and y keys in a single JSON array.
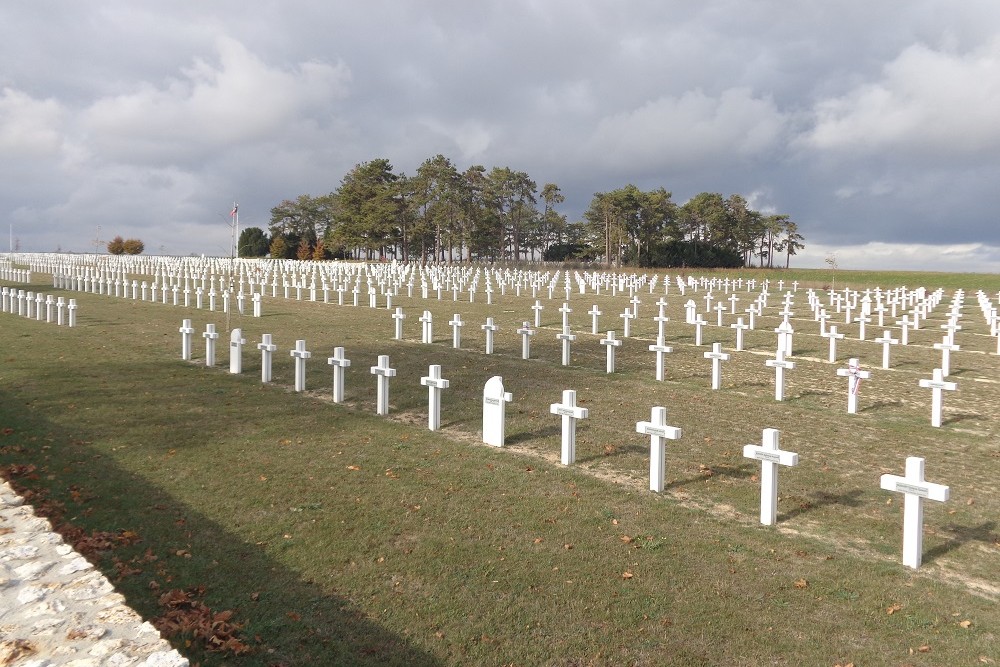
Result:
[
  {"x": 29, "y": 128},
  {"x": 693, "y": 128},
  {"x": 211, "y": 106},
  {"x": 962, "y": 258},
  {"x": 926, "y": 102}
]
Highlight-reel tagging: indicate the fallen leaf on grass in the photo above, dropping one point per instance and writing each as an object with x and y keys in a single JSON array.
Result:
[
  {"x": 965, "y": 624},
  {"x": 801, "y": 583},
  {"x": 893, "y": 608},
  {"x": 538, "y": 540},
  {"x": 354, "y": 467},
  {"x": 627, "y": 575}
]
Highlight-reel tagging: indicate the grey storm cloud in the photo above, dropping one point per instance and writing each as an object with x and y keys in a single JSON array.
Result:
[{"x": 873, "y": 127}]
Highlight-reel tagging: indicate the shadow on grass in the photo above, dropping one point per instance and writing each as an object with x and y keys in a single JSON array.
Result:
[
  {"x": 820, "y": 499},
  {"x": 288, "y": 620},
  {"x": 955, "y": 418},
  {"x": 741, "y": 471},
  {"x": 544, "y": 432},
  {"x": 878, "y": 405},
  {"x": 960, "y": 535}
]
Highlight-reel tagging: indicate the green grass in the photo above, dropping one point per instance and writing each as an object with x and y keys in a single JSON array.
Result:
[{"x": 338, "y": 537}]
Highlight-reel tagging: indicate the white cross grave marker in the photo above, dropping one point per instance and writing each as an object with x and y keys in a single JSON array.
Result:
[
  {"x": 301, "y": 354},
  {"x": 186, "y": 331},
  {"x": 339, "y": 363},
  {"x": 914, "y": 490},
  {"x": 833, "y": 336},
  {"x": 887, "y": 340},
  {"x": 770, "y": 457},
  {"x": 661, "y": 349},
  {"x": 594, "y": 314},
  {"x": 427, "y": 332},
  {"x": 854, "y": 376},
  {"x": 937, "y": 384},
  {"x": 779, "y": 364},
  {"x": 611, "y": 343},
  {"x": 267, "y": 349},
  {"x": 526, "y": 333},
  {"x": 210, "y": 337},
  {"x": 658, "y": 431},
  {"x": 740, "y": 328},
  {"x": 946, "y": 348},
  {"x": 717, "y": 356},
  {"x": 567, "y": 338},
  {"x": 398, "y": 316},
  {"x": 489, "y": 328},
  {"x": 456, "y": 330},
  {"x": 570, "y": 412},
  {"x": 383, "y": 372},
  {"x": 434, "y": 383}
]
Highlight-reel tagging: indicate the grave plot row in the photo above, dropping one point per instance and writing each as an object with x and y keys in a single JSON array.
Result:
[
  {"x": 38, "y": 306},
  {"x": 780, "y": 363},
  {"x": 496, "y": 398}
]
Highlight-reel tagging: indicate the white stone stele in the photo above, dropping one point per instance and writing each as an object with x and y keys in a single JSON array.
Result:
[
  {"x": 236, "y": 343},
  {"x": 770, "y": 457},
  {"x": 210, "y": 335},
  {"x": 495, "y": 401},
  {"x": 915, "y": 491},
  {"x": 570, "y": 412},
  {"x": 937, "y": 384},
  {"x": 434, "y": 383},
  {"x": 186, "y": 332},
  {"x": 300, "y": 354},
  {"x": 383, "y": 373},
  {"x": 267, "y": 350},
  {"x": 611, "y": 343},
  {"x": 339, "y": 363},
  {"x": 854, "y": 376},
  {"x": 779, "y": 364},
  {"x": 526, "y": 333},
  {"x": 658, "y": 431},
  {"x": 717, "y": 356}
]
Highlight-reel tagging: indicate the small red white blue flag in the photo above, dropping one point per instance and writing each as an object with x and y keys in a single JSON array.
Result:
[{"x": 235, "y": 209}]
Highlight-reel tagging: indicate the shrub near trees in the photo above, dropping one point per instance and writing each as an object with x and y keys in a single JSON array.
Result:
[
  {"x": 440, "y": 213},
  {"x": 120, "y": 246}
]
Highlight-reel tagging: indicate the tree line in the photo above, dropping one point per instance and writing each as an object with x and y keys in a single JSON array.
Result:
[{"x": 443, "y": 214}]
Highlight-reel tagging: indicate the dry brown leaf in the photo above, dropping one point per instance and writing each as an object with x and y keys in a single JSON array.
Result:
[
  {"x": 801, "y": 583},
  {"x": 965, "y": 624},
  {"x": 924, "y": 649},
  {"x": 627, "y": 575},
  {"x": 893, "y": 608},
  {"x": 354, "y": 467},
  {"x": 626, "y": 539},
  {"x": 538, "y": 540}
]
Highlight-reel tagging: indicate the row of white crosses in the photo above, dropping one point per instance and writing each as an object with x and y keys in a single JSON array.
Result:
[
  {"x": 38, "y": 306},
  {"x": 495, "y": 399}
]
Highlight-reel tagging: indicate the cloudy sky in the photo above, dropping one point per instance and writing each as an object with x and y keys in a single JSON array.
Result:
[{"x": 875, "y": 126}]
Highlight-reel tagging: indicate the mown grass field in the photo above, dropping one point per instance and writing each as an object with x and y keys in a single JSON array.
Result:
[{"x": 338, "y": 537}]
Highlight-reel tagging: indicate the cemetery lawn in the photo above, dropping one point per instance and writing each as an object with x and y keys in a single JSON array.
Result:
[{"x": 336, "y": 537}]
